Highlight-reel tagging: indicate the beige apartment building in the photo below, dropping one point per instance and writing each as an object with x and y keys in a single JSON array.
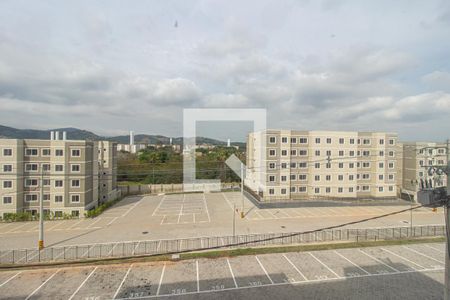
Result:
[
  {"x": 418, "y": 158},
  {"x": 323, "y": 164},
  {"x": 72, "y": 175}
]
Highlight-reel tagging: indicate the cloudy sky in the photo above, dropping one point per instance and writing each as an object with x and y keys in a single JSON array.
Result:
[{"x": 111, "y": 66}]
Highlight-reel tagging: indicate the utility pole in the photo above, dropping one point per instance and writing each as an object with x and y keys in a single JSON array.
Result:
[
  {"x": 447, "y": 228},
  {"x": 41, "y": 213},
  {"x": 242, "y": 189},
  {"x": 234, "y": 221}
]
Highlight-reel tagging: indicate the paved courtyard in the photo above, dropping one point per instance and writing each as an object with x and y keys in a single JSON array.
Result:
[
  {"x": 392, "y": 272},
  {"x": 195, "y": 215}
]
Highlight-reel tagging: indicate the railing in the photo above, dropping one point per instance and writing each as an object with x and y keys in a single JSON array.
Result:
[{"x": 154, "y": 247}]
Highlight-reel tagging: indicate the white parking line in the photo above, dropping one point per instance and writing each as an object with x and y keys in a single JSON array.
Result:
[
  {"x": 84, "y": 281},
  {"x": 207, "y": 210},
  {"x": 198, "y": 276},
  {"x": 14, "y": 229},
  {"x": 295, "y": 267},
  {"x": 76, "y": 223},
  {"x": 264, "y": 269},
  {"x": 132, "y": 207},
  {"x": 112, "y": 221},
  {"x": 329, "y": 269},
  {"x": 112, "y": 249},
  {"x": 436, "y": 249},
  {"x": 351, "y": 262},
  {"x": 123, "y": 280},
  {"x": 39, "y": 287},
  {"x": 181, "y": 210},
  {"x": 162, "y": 221},
  {"x": 90, "y": 225},
  {"x": 228, "y": 201},
  {"x": 379, "y": 261},
  {"x": 404, "y": 258},
  {"x": 160, "y": 280},
  {"x": 232, "y": 274},
  {"x": 424, "y": 255},
  {"x": 10, "y": 278},
  {"x": 135, "y": 247},
  {"x": 58, "y": 224}
]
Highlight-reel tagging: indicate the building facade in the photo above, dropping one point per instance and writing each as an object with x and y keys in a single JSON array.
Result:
[
  {"x": 322, "y": 164},
  {"x": 418, "y": 158},
  {"x": 72, "y": 175}
]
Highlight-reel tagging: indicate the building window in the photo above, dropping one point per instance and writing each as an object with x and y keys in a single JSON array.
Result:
[
  {"x": 75, "y": 183},
  {"x": 293, "y": 164},
  {"x": 328, "y": 190},
  {"x": 317, "y": 140},
  {"x": 380, "y": 189},
  {"x": 46, "y": 197},
  {"x": 293, "y": 140},
  {"x": 59, "y": 152},
  {"x": 365, "y": 176},
  {"x": 75, "y": 198},
  {"x": 340, "y": 177},
  {"x": 75, "y": 213},
  {"x": 317, "y": 152},
  {"x": 391, "y": 142},
  {"x": 391, "y": 176},
  {"x": 283, "y": 178},
  {"x": 58, "y": 198},
  {"x": 302, "y": 177},
  {"x": 381, "y": 165},
  {"x": 391, "y": 165},
  {"x": 7, "y": 184},
  {"x": 31, "y": 152},
  {"x": 271, "y": 178},
  {"x": 340, "y": 189},
  {"x": 350, "y": 190},
  {"x": 317, "y": 165},
  {"x": 391, "y": 153},
  {"x": 272, "y": 152},
  {"x": 45, "y": 167},
  {"x": 366, "y": 142},
  {"x": 302, "y": 165},
  {"x": 31, "y": 182},
  {"x": 351, "y": 165},
  {"x": 303, "y": 141},
  {"x": 391, "y": 188},
  {"x": 351, "y": 177},
  {"x": 7, "y": 152},
  {"x": 328, "y": 153},
  {"x": 302, "y": 152},
  {"x": 75, "y": 168},
  {"x": 302, "y": 189},
  {"x": 271, "y": 166},
  {"x": 76, "y": 152},
  {"x": 46, "y": 152},
  {"x": 352, "y": 153},
  {"x": 366, "y": 188},
  {"x": 284, "y": 165},
  {"x": 352, "y": 141},
  {"x": 271, "y": 191},
  {"x": 316, "y": 190},
  {"x": 366, "y": 153},
  {"x": 59, "y": 183},
  {"x": 381, "y": 153},
  {"x": 292, "y": 189},
  {"x": 328, "y": 140},
  {"x": 366, "y": 164},
  {"x": 284, "y": 140},
  {"x": 328, "y": 178},
  {"x": 46, "y": 182},
  {"x": 341, "y": 153},
  {"x": 341, "y": 165},
  {"x": 381, "y": 177},
  {"x": 341, "y": 141},
  {"x": 283, "y": 191},
  {"x": 59, "y": 168},
  {"x": 381, "y": 141},
  {"x": 31, "y": 167},
  {"x": 272, "y": 140},
  {"x": 293, "y": 176},
  {"x": 31, "y": 197},
  {"x": 317, "y": 178},
  {"x": 328, "y": 165},
  {"x": 7, "y": 200},
  {"x": 293, "y": 152}
]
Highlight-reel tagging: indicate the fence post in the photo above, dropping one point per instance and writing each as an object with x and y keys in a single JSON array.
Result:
[
  {"x": 26, "y": 255},
  {"x": 13, "y": 256}
]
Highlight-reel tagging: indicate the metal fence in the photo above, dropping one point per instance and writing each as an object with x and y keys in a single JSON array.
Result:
[{"x": 153, "y": 247}]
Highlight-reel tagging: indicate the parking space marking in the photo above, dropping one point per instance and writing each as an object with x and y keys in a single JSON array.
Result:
[
  {"x": 424, "y": 255},
  {"x": 295, "y": 267},
  {"x": 327, "y": 267},
  {"x": 198, "y": 276},
  {"x": 436, "y": 249},
  {"x": 181, "y": 209},
  {"x": 404, "y": 258},
  {"x": 121, "y": 283},
  {"x": 39, "y": 287},
  {"x": 264, "y": 269},
  {"x": 112, "y": 221},
  {"x": 342, "y": 256},
  {"x": 10, "y": 278},
  {"x": 379, "y": 261},
  {"x": 15, "y": 228},
  {"x": 96, "y": 221},
  {"x": 206, "y": 206},
  {"x": 160, "y": 280},
  {"x": 232, "y": 274},
  {"x": 81, "y": 285}
]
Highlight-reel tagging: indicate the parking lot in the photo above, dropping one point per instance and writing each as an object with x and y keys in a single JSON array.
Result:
[
  {"x": 199, "y": 215},
  {"x": 245, "y": 276}
]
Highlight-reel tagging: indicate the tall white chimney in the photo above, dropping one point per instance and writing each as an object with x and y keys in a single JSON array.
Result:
[
  {"x": 131, "y": 138},
  {"x": 228, "y": 143},
  {"x": 52, "y": 135},
  {"x": 56, "y": 135},
  {"x": 171, "y": 141},
  {"x": 64, "y": 135}
]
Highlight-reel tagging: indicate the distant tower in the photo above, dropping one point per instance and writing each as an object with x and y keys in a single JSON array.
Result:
[
  {"x": 170, "y": 140},
  {"x": 228, "y": 143},
  {"x": 131, "y": 138}
]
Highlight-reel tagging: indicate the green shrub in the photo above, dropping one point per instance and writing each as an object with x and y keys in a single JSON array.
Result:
[{"x": 101, "y": 208}]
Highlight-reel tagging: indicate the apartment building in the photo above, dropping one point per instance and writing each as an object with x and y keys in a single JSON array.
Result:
[
  {"x": 322, "y": 164},
  {"x": 418, "y": 158},
  {"x": 72, "y": 175}
]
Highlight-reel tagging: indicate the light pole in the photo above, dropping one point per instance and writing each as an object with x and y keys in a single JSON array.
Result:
[
  {"x": 41, "y": 214},
  {"x": 242, "y": 189},
  {"x": 447, "y": 224}
]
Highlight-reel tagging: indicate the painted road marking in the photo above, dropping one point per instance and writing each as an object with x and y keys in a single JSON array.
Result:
[
  {"x": 160, "y": 280},
  {"x": 327, "y": 267},
  {"x": 404, "y": 258},
  {"x": 121, "y": 283},
  {"x": 379, "y": 261},
  {"x": 10, "y": 278},
  {"x": 351, "y": 262},
  {"x": 198, "y": 276},
  {"x": 436, "y": 249},
  {"x": 424, "y": 255},
  {"x": 264, "y": 269},
  {"x": 295, "y": 267},
  {"x": 84, "y": 281},
  {"x": 232, "y": 274},
  {"x": 39, "y": 287}
]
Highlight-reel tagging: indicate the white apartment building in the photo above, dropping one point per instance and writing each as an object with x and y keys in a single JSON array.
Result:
[
  {"x": 74, "y": 175},
  {"x": 322, "y": 164},
  {"x": 418, "y": 158}
]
